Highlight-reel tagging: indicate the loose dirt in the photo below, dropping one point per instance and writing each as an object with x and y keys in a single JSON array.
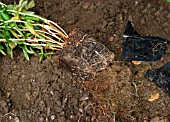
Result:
[{"x": 33, "y": 91}]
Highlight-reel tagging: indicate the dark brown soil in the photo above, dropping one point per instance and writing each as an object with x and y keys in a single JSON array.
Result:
[{"x": 47, "y": 92}]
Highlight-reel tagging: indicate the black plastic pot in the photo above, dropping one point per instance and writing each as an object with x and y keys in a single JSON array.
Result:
[{"x": 142, "y": 48}]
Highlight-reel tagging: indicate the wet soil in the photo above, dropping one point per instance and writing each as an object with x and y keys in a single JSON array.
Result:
[{"x": 48, "y": 92}]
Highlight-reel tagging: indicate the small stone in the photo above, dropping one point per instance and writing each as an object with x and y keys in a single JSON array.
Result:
[
  {"x": 16, "y": 119},
  {"x": 62, "y": 113},
  {"x": 71, "y": 116},
  {"x": 41, "y": 119},
  {"x": 111, "y": 39},
  {"x": 8, "y": 94},
  {"x": 120, "y": 17},
  {"x": 52, "y": 117},
  {"x": 81, "y": 110},
  {"x": 33, "y": 80},
  {"x": 136, "y": 3},
  {"x": 86, "y": 5},
  {"x": 84, "y": 97}
]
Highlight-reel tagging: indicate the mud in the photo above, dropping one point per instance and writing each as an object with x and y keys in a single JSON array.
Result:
[{"x": 48, "y": 92}]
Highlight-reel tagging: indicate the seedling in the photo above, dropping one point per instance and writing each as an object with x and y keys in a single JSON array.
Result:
[
  {"x": 28, "y": 31},
  {"x": 22, "y": 28}
]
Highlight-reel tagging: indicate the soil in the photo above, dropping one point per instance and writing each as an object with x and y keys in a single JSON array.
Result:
[{"x": 33, "y": 91}]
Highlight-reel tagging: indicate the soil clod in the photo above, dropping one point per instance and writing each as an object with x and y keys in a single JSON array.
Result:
[{"x": 85, "y": 55}]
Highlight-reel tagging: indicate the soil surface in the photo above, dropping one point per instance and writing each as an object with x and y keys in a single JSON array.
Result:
[{"x": 33, "y": 91}]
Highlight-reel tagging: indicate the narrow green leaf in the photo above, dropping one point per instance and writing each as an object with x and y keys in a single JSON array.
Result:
[
  {"x": 20, "y": 43},
  {"x": 5, "y": 16},
  {"x": 1, "y": 51},
  {"x": 48, "y": 55},
  {"x": 1, "y": 20},
  {"x": 9, "y": 50},
  {"x": 23, "y": 5},
  {"x": 14, "y": 34},
  {"x": 26, "y": 35},
  {"x": 13, "y": 6},
  {"x": 30, "y": 18},
  {"x": 33, "y": 51},
  {"x": 1, "y": 47},
  {"x": 10, "y": 6},
  {"x": 42, "y": 37},
  {"x": 12, "y": 24},
  {"x": 7, "y": 34},
  {"x": 26, "y": 54},
  {"x": 20, "y": 3},
  {"x": 38, "y": 47},
  {"x": 6, "y": 29},
  {"x": 41, "y": 57},
  {"x": 30, "y": 28},
  {"x": 29, "y": 12},
  {"x": 31, "y": 4},
  {"x": 18, "y": 30},
  {"x": 1, "y": 35},
  {"x": 28, "y": 51}
]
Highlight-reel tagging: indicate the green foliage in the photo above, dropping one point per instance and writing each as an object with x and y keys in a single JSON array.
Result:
[
  {"x": 167, "y": 1},
  {"x": 22, "y": 28}
]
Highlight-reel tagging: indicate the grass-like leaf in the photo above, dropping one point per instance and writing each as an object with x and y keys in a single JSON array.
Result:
[
  {"x": 30, "y": 51},
  {"x": 14, "y": 34},
  {"x": 22, "y": 4},
  {"x": 26, "y": 54},
  {"x": 30, "y": 18},
  {"x": 2, "y": 49},
  {"x": 31, "y": 4},
  {"x": 2, "y": 52},
  {"x": 5, "y": 16},
  {"x": 9, "y": 50},
  {"x": 30, "y": 28}
]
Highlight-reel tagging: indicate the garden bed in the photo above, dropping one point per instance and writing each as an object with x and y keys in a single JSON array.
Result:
[{"x": 33, "y": 91}]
